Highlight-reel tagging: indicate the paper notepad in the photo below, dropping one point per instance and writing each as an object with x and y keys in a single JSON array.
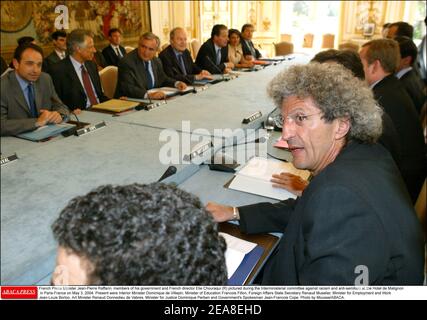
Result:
[
  {"x": 170, "y": 92},
  {"x": 116, "y": 105},
  {"x": 255, "y": 177}
]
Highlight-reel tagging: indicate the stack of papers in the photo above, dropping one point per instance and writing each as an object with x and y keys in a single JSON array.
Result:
[{"x": 255, "y": 177}]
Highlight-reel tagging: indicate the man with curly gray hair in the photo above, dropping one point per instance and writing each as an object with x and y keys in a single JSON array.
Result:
[
  {"x": 354, "y": 223},
  {"x": 152, "y": 234}
]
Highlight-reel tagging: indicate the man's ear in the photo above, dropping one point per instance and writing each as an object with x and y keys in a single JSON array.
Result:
[
  {"x": 342, "y": 129},
  {"x": 15, "y": 63},
  {"x": 407, "y": 61}
]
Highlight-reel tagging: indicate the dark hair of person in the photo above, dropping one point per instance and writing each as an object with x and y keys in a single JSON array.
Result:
[
  {"x": 59, "y": 33},
  {"x": 143, "y": 234},
  {"x": 246, "y": 25},
  {"x": 112, "y": 30},
  {"x": 407, "y": 48},
  {"x": 234, "y": 31},
  {"x": 25, "y": 40},
  {"x": 403, "y": 29},
  {"x": 347, "y": 58},
  {"x": 216, "y": 30},
  {"x": 20, "y": 50}
]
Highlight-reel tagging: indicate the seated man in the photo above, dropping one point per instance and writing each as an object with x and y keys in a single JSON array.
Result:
[
  {"x": 114, "y": 52},
  {"x": 213, "y": 54},
  {"x": 410, "y": 79},
  {"x": 140, "y": 71},
  {"x": 138, "y": 234},
  {"x": 177, "y": 61},
  {"x": 76, "y": 77},
  {"x": 59, "y": 41},
  {"x": 400, "y": 28},
  {"x": 28, "y": 97},
  {"x": 380, "y": 60},
  {"x": 249, "y": 50},
  {"x": 354, "y": 223}
]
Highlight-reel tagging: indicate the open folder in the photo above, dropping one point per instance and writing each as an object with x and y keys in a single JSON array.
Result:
[
  {"x": 46, "y": 132},
  {"x": 246, "y": 254},
  {"x": 254, "y": 177},
  {"x": 170, "y": 92},
  {"x": 115, "y": 105}
]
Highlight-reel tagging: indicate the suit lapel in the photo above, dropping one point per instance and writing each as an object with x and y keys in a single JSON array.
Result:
[
  {"x": 18, "y": 94},
  {"x": 38, "y": 95},
  {"x": 71, "y": 74}
]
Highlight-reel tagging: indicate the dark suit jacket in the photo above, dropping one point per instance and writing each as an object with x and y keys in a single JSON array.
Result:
[
  {"x": 173, "y": 68},
  {"x": 111, "y": 58},
  {"x": 132, "y": 78},
  {"x": 208, "y": 50},
  {"x": 355, "y": 212},
  {"x": 247, "y": 51},
  {"x": 415, "y": 88},
  {"x": 69, "y": 87},
  {"x": 394, "y": 99},
  {"x": 15, "y": 112},
  {"x": 50, "y": 60}
]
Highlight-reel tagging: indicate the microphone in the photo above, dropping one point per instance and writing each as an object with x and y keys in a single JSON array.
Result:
[
  {"x": 171, "y": 170},
  {"x": 218, "y": 69}
]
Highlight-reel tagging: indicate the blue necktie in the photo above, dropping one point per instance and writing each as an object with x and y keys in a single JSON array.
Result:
[
  {"x": 218, "y": 57},
  {"x": 181, "y": 61},
  {"x": 31, "y": 100},
  {"x": 149, "y": 78}
]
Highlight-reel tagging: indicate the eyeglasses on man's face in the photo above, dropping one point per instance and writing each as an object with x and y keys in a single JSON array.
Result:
[{"x": 298, "y": 118}]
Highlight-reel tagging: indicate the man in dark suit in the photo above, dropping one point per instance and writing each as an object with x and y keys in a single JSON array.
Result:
[
  {"x": 213, "y": 54},
  {"x": 380, "y": 59},
  {"x": 177, "y": 61},
  {"x": 140, "y": 71},
  {"x": 400, "y": 28},
  {"x": 249, "y": 50},
  {"x": 59, "y": 41},
  {"x": 114, "y": 52},
  {"x": 28, "y": 97},
  {"x": 354, "y": 223},
  {"x": 410, "y": 79},
  {"x": 76, "y": 77}
]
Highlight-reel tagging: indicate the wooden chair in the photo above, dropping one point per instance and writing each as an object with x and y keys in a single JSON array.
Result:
[
  {"x": 283, "y": 48},
  {"x": 195, "y": 47},
  {"x": 286, "y": 37},
  {"x": 328, "y": 41},
  {"x": 129, "y": 49},
  {"x": 108, "y": 77},
  {"x": 349, "y": 46},
  {"x": 308, "y": 40}
]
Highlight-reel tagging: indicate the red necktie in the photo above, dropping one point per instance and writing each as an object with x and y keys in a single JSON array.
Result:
[{"x": 88, "y": 87}]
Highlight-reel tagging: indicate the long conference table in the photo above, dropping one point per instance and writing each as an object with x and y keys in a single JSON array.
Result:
[{"x": 134, "y": 148}]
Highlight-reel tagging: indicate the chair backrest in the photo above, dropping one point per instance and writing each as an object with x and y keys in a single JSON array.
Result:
[
  {"x": 308, "y": 40},
  {"x": 163, "y": 47},
  {"x": 195, "y": 47},
  {"x": 328, "y": 41},
  {"x": 286, "y": 37},
  {"x": 129, "y": 49},
  {"x": 349, "y": 46},
  {"x": 420, "y": 205},
  {"x": 108, "y": 77},
  {"x": 283, "y": 48}
]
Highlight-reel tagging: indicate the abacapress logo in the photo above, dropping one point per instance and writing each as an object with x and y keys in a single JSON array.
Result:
[{"x": 13, "y": 292}]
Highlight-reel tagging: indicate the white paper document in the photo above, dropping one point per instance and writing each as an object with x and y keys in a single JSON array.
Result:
[
  {"x": 256, "y": 174},
  {"x": 236, "y": 251}
]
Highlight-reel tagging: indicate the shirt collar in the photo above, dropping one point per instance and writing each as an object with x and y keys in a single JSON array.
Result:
[
  {"x": 375, "y": 83},
  {"x": 177, "y": 53},
  {"x": 22, "y": 82},
  {"x": 216, "y": 48},
  {"x": 402, "y": 72},
  {"x": 114, "y": 47},
  {"x": 60, "y": 54},
  {"x": 76, "y": 64}
]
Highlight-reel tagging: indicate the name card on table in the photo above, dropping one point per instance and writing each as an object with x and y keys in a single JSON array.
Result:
[
  {"x": 252, "y": 117},
  {"x": 9, "y": 159},
  {"x": 89, "y": 129},
  {"x": 198, "y": 152}
]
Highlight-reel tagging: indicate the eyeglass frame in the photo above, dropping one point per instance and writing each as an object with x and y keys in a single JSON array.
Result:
[{"x": 279, "y": 120}]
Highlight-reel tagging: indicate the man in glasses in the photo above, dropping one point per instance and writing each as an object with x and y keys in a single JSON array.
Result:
[
  {"x": 140, "y": 71},
  {"x": 354, "y": 223}
]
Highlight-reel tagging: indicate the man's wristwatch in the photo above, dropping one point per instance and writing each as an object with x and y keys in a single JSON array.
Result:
[{"x": 236, "y": 215}]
